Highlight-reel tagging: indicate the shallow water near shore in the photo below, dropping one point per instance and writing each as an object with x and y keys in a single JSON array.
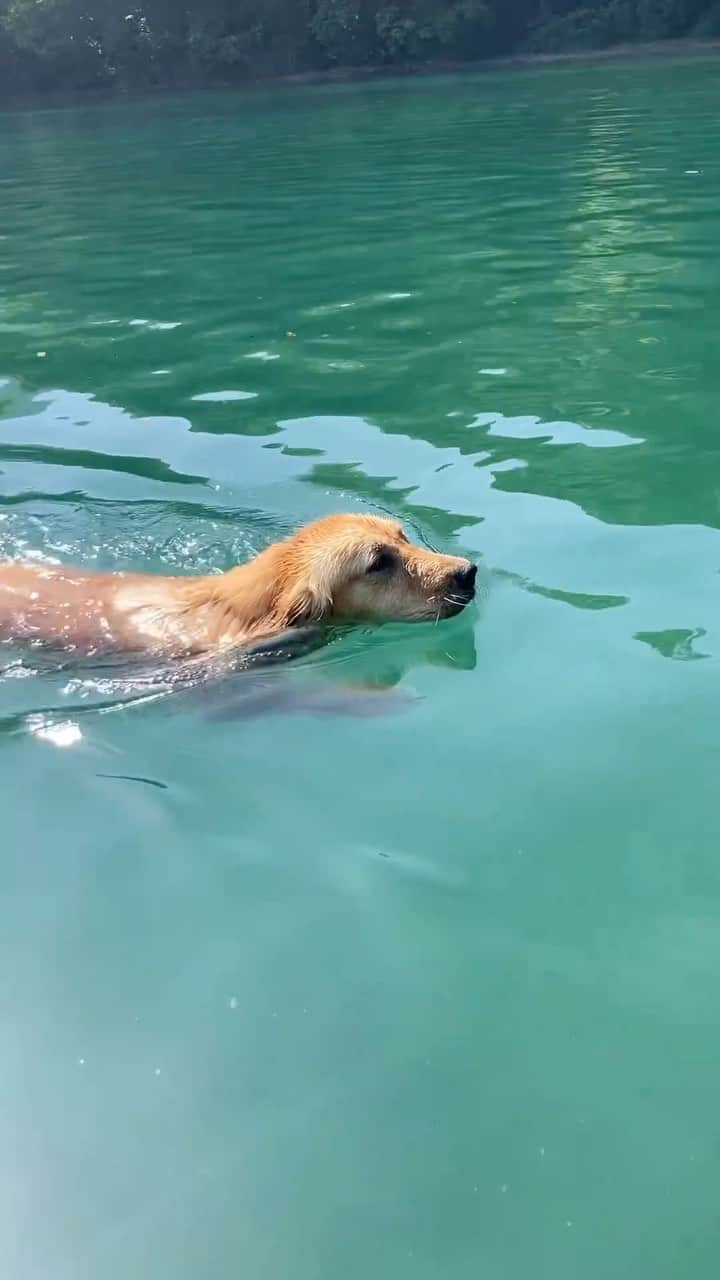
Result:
[{"x": 297, "y": 983}]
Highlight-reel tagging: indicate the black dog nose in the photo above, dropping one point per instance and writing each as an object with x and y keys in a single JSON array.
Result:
[{"x": 465, "y": 577}]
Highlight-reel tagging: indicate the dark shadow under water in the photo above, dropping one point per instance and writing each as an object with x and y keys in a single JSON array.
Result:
[{"x": 310, "y": 670}]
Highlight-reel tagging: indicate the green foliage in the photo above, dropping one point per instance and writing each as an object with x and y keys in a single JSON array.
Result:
[
  {"x": 613, "y": 22},
  {"x": 412, "y": 29},
  {"x": 345, "y": 31},
  {"x": 358, "y": 32},
  {"x": 60, "y": 34},
  {"x": 579, "y": 29},
  {"x": 708, "y": 23},
  {"x": 47, "y": 44}
]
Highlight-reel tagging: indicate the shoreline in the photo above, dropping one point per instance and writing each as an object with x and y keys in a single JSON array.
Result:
[{"x": 648, "y": 51}]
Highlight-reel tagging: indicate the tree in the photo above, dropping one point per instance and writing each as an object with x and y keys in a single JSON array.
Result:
[
  {"x": 88, "y": 43},
  {"x": 62, "y": 35}
]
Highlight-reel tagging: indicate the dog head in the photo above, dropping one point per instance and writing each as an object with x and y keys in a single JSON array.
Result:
[{"x": 355, "y": 567}]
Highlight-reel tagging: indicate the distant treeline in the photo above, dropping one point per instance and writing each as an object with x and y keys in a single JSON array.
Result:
[{"x": 80, "y": 44}]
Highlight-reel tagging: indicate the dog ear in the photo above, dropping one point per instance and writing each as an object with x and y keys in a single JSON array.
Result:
[
  {"x": 304, "y": 602},
  {"x": 309, "y": 598}
]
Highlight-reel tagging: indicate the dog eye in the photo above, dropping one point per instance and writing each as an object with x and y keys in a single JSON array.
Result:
[{"x": 381, "y": 561}]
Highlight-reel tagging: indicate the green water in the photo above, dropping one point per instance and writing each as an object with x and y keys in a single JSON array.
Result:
[{"x": 431, "y": 994}]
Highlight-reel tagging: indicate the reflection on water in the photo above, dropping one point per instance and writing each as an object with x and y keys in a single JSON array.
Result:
[
  {"x": 352, "y": 673},
  {"x": 165, "y": 499},
  {"x": 674, "y": 644}
]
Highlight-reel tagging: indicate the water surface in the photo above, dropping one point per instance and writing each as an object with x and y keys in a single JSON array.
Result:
[{"x": 430, "y": 994}]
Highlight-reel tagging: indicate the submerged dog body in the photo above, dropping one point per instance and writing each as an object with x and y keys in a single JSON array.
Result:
[{"x": 343, "y": 568}]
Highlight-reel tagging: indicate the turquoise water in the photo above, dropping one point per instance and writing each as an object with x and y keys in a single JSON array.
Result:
[{"x": 429, "y": 992}]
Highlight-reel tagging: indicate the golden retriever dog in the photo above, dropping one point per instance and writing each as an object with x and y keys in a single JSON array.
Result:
[{"x": 340, "y": 568}]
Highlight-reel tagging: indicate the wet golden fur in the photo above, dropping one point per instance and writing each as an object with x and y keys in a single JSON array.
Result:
[{"x": 340, "y": 567}]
